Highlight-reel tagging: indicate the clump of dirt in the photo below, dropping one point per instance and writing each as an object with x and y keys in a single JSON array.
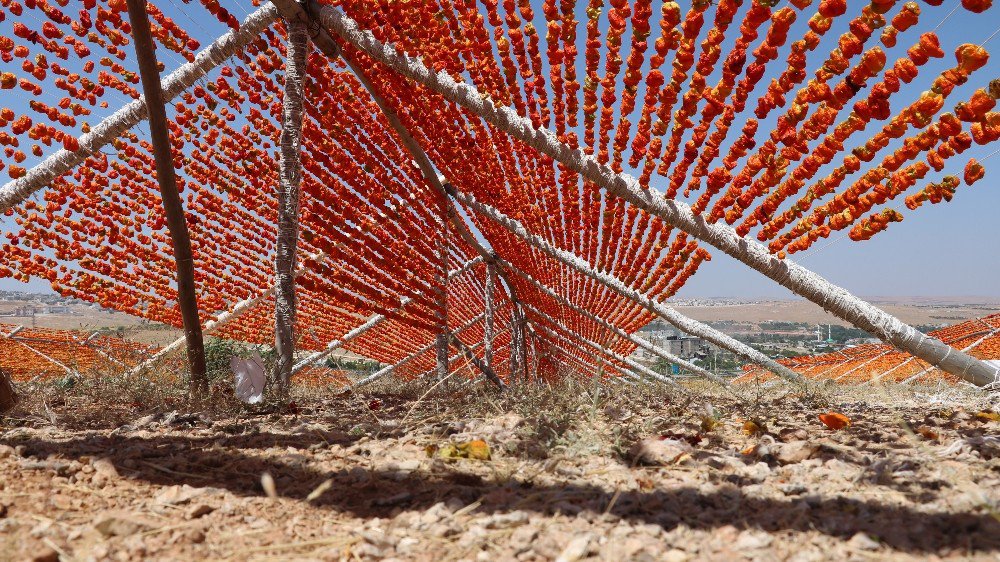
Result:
[{"x": 576, "y": 471}]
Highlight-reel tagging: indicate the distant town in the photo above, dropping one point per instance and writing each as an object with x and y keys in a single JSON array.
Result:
[
  {"x": 776, "y": 339},
  {"x": 809, "y": 335}
]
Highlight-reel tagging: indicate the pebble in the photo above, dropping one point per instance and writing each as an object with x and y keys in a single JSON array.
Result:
[
  {"x": 47, "y": 554},
  {"x": 656, "y": 451},
  {"x": 199, "y": 510},
  {"x": 752, "y": 540},
  {"x": 576, "y": 549},
  {"x": 675, "y": 555},
  {"x": 506, "y": 520},
  {"x": 862, "y": 541},
  {"x": 118, "y": 525}
]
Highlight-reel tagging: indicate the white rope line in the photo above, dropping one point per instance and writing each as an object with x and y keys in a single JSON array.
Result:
[{"x": 953, "y": 10}]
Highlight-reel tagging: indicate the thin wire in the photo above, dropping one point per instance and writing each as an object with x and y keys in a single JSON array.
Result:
[
  {"x": 946, "y": 17},
  {"x": 823, "y": 247},
  {"x": 987, "y": 40},
  {"x": 995, "y": 152}
]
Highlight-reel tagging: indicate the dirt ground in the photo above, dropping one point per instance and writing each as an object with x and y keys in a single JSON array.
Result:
[{"x": 576, "y": 472}]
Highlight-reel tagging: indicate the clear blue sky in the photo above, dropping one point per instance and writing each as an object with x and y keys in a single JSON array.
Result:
[{"x": 946, "y": 249}]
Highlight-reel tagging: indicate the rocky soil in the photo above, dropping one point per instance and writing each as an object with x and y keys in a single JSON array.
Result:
[{"x": 575, "y": 474}]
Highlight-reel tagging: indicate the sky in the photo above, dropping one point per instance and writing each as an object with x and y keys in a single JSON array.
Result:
[{"x": 940, "y": 250}]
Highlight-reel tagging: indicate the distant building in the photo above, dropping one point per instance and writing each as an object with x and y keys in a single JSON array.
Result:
[{"x": 669, "y": 341}]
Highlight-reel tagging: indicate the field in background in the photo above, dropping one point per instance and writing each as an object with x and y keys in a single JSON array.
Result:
[{"x": 912, "y": 310}]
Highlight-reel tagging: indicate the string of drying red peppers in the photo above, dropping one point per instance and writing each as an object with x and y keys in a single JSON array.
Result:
[
  {"x": 551, "y": 201},
  {"x": 488, "y": 171},
  {"x": 229, "y": 239},
  {"x": 513, "y": 78},
  {"x": 512, "y": 22}
]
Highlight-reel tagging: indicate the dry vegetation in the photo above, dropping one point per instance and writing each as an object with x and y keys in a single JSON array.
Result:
[{"x": 128, "y": 470}]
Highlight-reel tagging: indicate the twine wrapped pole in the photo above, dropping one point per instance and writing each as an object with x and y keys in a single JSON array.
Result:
[
  {"x": 187, "y": 298},
  {"x": 786, "y": 273},
  {"x": 289, "y": 189}
]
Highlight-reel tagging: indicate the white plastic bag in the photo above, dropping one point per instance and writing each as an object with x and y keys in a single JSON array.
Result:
[{"x": 249, "y": 375}]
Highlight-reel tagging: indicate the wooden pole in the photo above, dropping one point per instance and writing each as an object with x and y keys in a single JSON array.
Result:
[
  {"x": 8, "y": 398},
  {"x": 437, "y": 183},
  {"x": 442, "y": 310},
  {"x": 785, "y": 272},
  {"x": 479, "y": 363},
  {"x": 187, "y": 298},
  {"x": 490, "y": 312},
  {"x": 289, "y": 190}
]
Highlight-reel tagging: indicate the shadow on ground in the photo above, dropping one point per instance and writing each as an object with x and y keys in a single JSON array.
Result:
[{"x": 170, "y": 460}]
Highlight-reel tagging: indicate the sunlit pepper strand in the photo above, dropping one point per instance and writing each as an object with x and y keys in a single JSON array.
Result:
[
  {"x": 875, "y": 106},
  {"x": 682, "y": 63},
  {"x": 592, "y": 61},
  {"x": 670, "y": 18},
  {"x": 919, "y": 113}
]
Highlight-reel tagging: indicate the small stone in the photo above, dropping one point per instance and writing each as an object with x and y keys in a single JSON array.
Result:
[
  {"x": 796, "y": 451},
  {"x": 750, "y": 540},
  {"x": 507, "y": 520},
  {"x": 368, "y": 550},
  {"x": 575, "y": 550},
  {"x": 407, "y": 545},
  {"x": 47, "y": 554},
  {"x": 862, "y": 541},
  {"x": 757, "y": 472},
  {"x": 121, "y": 525},
  {"x": 656, "y": 451},
  {"x": 199, "y": 510},
  {"x": 676, "y": 555},
  {"x": 6, "y": 451},
  {"x": 176, "y": 495},
  {"x": 106, "y": 468},
  {"x": 789, "y": 434},
  {"x": 522, "y": 537}
]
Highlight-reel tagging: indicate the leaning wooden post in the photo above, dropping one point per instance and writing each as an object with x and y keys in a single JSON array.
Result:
[
  {"x": 438, "y": 184},
  {"x": 289, "y": 188},
  {"x": 491, "y": 275},
  {"x": 187, "y": 298},
  {"x": 515, "y": 346},
  {"x": 476, "y": 361},
  {"x": 522, "y": 342},
  {"x": 786, "y": 273}
]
